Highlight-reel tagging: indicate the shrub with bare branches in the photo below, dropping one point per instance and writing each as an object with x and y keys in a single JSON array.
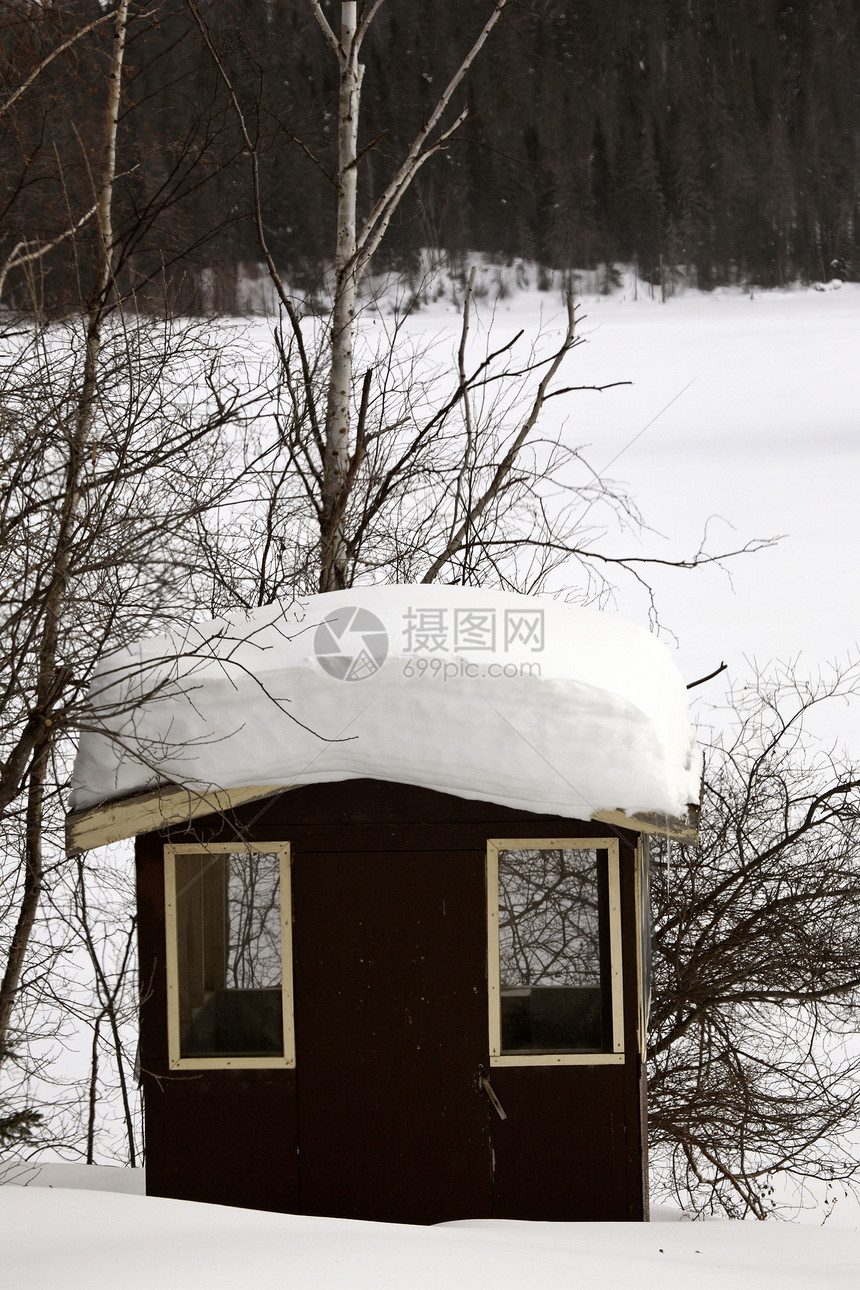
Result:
[{"x": 754, "y": 1058}]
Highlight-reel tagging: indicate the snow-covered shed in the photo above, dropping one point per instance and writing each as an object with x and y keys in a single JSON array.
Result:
[{"x": 392, "y": 895}]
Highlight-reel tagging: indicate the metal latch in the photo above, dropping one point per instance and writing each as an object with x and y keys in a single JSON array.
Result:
[{"x": 491, "y": 1094}]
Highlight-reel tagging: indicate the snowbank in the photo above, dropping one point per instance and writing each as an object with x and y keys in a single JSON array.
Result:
[
  {"x": 79, "y": 1240},
  {"x": 488, "y": 695},
  {"x": 68, "y": 1174}
]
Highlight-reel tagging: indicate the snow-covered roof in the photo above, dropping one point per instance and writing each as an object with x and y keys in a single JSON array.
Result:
[{"x": 485, "y": 694}]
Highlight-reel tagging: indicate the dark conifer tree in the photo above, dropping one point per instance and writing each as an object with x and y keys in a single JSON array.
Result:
[{"x": 719, "y": 137}]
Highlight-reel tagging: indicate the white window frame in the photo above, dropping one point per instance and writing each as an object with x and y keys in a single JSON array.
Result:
[
  {"x": 287, "y": 1059},
  {"x": 616, "y": 1056}
]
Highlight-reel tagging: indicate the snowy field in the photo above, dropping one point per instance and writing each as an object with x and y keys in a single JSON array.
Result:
[
  {"x": 70, "y": 1239},
  {"x": 744, "y": 409},
  {"x": 743, "y": 416}
]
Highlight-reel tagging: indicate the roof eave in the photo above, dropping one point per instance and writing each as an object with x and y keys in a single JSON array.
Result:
[{"x": 125, "y": 817}]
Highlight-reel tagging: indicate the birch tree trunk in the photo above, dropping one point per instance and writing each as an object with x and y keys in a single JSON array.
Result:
[
  {"x": 355, "y": 245},
  {"x": 333, "y": 570}
]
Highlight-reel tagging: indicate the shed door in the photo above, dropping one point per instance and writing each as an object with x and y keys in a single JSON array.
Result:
[{"x": 391, "y": 1034}]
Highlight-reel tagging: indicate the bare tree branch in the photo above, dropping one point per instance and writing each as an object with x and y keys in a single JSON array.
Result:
[
  {"x": 20, "y": 255},
  {"x": 331, "y": 39},
  {"x": 408, "y": 167},
  {"x": 49, "y": 58},
  {"x": 491, "y": 492}
]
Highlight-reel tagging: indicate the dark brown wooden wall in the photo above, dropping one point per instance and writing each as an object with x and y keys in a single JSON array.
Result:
[{"x": 384, "y": 1116}]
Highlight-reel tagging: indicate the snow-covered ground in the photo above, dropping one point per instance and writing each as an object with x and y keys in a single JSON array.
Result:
[
  {"x": 743, "y": 415},
  {"x": 54, "y": 1238}
]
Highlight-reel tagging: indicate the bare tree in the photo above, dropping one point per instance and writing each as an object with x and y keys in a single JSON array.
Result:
[
  {"x": 384, "y": 461},
  {"x": 111, "y": 428},
  {"x": 28, "y": 757},
  {"x": 111, "y": 951},
  {"x": 754, "y": 1066},
  {"x": 356, "y": 241}
]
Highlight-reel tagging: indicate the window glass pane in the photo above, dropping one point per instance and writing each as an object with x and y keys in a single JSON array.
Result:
[
  {"x": 254, "y": 912},
  {"x": 552, "y": 951},
  {"x": 228, "y": 917}
]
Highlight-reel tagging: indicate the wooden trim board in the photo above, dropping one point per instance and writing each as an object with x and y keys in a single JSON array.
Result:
[
  {"x": 126, "y": 817},
  {"x": 146, "y": 812}
]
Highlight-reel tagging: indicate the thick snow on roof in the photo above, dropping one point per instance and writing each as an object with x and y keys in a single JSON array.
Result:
[{"x": 485, "y": 694}]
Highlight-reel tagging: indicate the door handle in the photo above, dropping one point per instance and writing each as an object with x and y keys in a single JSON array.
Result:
[{"x": 491, "y": 1094}]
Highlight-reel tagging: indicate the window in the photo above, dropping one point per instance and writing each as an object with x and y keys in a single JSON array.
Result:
[
  {"x": 229, "y": 960},
  {"x": 554, "y": 915}
]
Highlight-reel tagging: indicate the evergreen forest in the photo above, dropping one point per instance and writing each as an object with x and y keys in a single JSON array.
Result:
[{"x": 709, "y": 141}]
